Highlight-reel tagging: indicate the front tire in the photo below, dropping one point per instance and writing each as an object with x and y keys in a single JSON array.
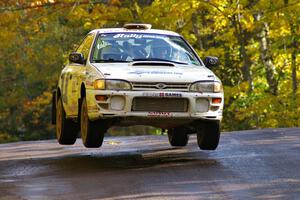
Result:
[
  {"x": 92, "y": 132},
  {"x": 66, "y": 129},
  {"x": 178, "y": 137},
  {"x": 208, "y": 135}
]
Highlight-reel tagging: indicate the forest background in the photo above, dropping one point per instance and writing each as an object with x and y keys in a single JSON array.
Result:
[{"x": 257, "y": 42}]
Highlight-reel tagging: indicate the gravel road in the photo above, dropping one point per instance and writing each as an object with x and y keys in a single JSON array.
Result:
[{"x": 254, "y": 164}]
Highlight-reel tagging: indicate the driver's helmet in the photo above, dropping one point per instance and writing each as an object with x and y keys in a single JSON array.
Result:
[
  {"x": 161, "y": 49},
  {"x": 110, "y": 52}
]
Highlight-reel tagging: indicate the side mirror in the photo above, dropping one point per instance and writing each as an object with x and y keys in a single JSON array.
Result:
[
  {"x": 76, "y": 57},
  {"x": 211, "y": 61}
]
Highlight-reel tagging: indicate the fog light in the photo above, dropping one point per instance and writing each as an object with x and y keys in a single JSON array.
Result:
[
  {"x": 117, "y": 103},
  {"x": 202, "y": 105},
  {"x": 214, "y": 108},
  {"x": 103, "y": 106},
  {"x": 101, "y": 97},
  {"x": 216, "y": 100}
]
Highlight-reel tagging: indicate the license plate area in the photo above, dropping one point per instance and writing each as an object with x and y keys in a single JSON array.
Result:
[{"x": 146, "y": 104}]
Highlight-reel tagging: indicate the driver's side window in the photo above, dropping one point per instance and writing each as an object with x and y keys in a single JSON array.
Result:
[{"x": 85, "y": 46}]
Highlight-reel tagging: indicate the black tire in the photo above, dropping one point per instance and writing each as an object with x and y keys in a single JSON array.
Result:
[
  {"x": 92, "y": 132},
  {"x": 66, "y": 129},
  {"x": 178, "y": 137},
  {"x": 208, "y": 135}
]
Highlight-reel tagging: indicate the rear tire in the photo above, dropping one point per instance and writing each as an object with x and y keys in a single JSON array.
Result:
[
  {"x": 92, "y": 132},
  {"x": 66, "y": 129},
  {"x": 178, "y": 137},
  {"x": 208, "y": 135}
]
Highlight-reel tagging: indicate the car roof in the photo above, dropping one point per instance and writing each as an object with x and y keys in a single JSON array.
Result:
[{"x": 124, "y": 30}]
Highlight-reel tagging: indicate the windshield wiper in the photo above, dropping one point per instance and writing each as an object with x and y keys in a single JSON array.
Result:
[
  {"x": 109, "y": 61},
  {"x": 159, "y": 59}
]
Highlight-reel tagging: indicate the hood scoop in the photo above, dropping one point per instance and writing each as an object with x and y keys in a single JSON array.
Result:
[{"x": 152, "y": 63}]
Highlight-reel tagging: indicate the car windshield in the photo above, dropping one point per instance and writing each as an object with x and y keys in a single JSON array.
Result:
[{"x": 128, "y": 47}]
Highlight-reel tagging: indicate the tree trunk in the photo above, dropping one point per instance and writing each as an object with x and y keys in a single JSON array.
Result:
[
  {"x": 266, "y": 56},
  {"x": 247, "y": 74},
  {"x": 293, "y": 61},
  {"x": 294, "y": 46},
  {"x": 196, "y": 31},
  {"x": 242, "y": 41}
]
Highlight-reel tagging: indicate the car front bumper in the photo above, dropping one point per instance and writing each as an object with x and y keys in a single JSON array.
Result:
[{"x": 121, "y": 104}]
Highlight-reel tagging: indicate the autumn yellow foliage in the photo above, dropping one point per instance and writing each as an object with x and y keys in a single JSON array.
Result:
[{"x": 257, "y": 43}]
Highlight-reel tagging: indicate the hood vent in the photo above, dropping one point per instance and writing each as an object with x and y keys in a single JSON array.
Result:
[{"x": 152, "y": 63}]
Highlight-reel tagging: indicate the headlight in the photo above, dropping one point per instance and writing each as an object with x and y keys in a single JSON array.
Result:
[
  {"x": 206, "y": 87},
  {"x": 102, "y": 84}
]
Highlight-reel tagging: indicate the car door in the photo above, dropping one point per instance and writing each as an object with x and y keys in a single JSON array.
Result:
[{"x": 74, "y": 76}]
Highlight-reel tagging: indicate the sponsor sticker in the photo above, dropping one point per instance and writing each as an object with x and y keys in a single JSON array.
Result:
[
  {"x": 137, "y": 36},
  {"x": 159, "y": 114},
  {"x": 162, "y": 94},
  {"x": 140, "y": 72}
]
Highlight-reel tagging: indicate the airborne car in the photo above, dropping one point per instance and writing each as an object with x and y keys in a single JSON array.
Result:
[{"x": 136, "y": 75}]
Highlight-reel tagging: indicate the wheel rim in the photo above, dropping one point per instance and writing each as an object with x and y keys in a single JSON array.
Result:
[
  {"x": 58, "y": 120},
  {"x": 83, "y": 122}
]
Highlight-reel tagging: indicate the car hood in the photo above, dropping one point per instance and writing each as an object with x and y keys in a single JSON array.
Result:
[{"x": 155, "y": 73}]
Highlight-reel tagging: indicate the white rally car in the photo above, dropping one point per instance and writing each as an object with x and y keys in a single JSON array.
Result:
[{"x": 136, "y": 75}]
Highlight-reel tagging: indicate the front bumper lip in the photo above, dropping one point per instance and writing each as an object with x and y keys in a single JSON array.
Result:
[{"x": 96, "y": 112}]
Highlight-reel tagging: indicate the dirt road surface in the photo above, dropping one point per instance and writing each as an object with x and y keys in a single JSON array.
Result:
[{"x": 256, "y": 164}]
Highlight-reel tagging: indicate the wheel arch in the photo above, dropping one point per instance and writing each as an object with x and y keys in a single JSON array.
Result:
[
  {"x": 56, "y": 93},
  {"x": 82, "y": 90},
  {"x": 82, "y": 94}
]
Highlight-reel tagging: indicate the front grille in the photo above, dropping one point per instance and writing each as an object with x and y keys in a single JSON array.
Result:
[
  {"x": 161, "y": 86},
  {"x": 160, "y": 104}
]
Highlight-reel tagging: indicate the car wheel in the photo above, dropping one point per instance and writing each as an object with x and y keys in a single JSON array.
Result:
[
  {"x": 208, "y": 135},
  {"x": 92, "y": 132},
  {"x": 66, "y": 129},
  {"x": 178, "y": 137}
]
